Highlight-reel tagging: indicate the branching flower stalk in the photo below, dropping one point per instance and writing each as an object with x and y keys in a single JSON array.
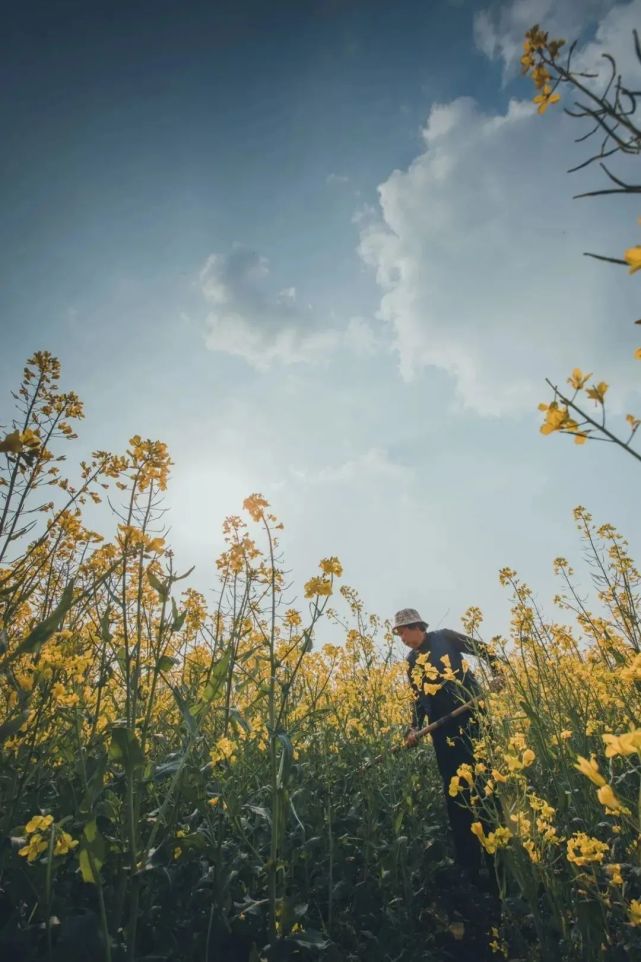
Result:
[{"x": 581, "y": 425}]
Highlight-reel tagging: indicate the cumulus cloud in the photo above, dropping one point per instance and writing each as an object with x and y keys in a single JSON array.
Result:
[
  {"x": 614, "y": 36},
  {"x": 500, "y": 28},
  {"x": 250, "y": 319},
  {"x": 361, "y": 337},
  {"x": 477, "y": 247}
]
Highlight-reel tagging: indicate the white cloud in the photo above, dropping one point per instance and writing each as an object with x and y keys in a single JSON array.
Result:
[
  {"x": 477, "y": 250},
  {"x": 249, "y": 320},
  {"x": 613, "y": 36},
  {"x": 499, "y": 30},
  {"x": 332, "y": 179},
  {"x": 361, "y": 337},
  {"x": 372, "y": 464}
]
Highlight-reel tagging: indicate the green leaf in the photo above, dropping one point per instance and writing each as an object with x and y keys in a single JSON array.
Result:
[
  {"x": 310, "y": 939},
  {"x": 161, "y": 587},
  {"x": 285, "y": 758},
  {"x": 166, "y": 662},
  {"x": 125, "y": 748},
  {"x": 170, "y": 767},
  {"x": 96, "y": 766},
  {"x": 260, "y": 811},
  {"x": 105, "y": 634},
  {"x": 121, "y": 658},
  {"x": 91, "y": 853},
  {"x": 239, "y": 720},
  {"x": 217, "y": 676},
  {"x": 179, "y": 616},
  {"x": 187, "y": 711},
  {"x": 42, "y": 632},
  {"x": 12, "y": 726}
]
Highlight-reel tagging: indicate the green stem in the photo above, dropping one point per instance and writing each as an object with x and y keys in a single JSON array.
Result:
[
  {"x": 48, "y": 886},
  {"x": 94, "y": 869}
]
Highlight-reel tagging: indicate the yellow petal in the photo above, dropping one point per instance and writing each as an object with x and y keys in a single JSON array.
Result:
[{"x": 633, "y": 258}]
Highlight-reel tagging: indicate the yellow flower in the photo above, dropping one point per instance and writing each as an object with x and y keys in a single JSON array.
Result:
[
  {"x": 536, "y": 37},
  {"x": 255, "y": 504},
  {"x": 540, "y": 76},
  {"x": 318, "y": 586},
  {"x": 633, "y": 258},
  {"x": 527, "y": 61},
  {"x": 11, "y": 443},
  {"x": 527, "y": 757},
  {"x": 224, "y": 750},
  {"x": 545, "y": 98},
  {"x": 626, "y": 744},
  {"x": 454, "y": 789},
  {"x": 556, "y": 419},
  {"x": 64, "y": 843},
  {"x": 39, "y": 823},
  {"x": 34, "y": 847},
  {"x": 292, "y": 618},
  {"x": 634, "y": 912},
  {"x": 597, "y": 392},
  {"x": 614, "y": 871},
  {"x": 331, "y": 566},
  {"x": 522, "y": 824},
  {"x": 607, "y": 798},
  {"x": 632, "y": 671},
  {"x": 637, "y": 354},
  {"x": 578, "y": 379},
  {"x": 465, "y": 772},
  {"x": 514, "y": 763},
  {"x": 590, "y": 769},
  {"x": 63, "y": 698},
  {"x": 582, "y": 849}
]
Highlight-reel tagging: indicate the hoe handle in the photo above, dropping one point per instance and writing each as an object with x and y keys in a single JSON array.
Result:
[{"x": 422, "y": 732}]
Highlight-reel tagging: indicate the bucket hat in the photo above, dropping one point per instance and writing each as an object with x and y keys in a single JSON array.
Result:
[{"x": 407, "y": 616}]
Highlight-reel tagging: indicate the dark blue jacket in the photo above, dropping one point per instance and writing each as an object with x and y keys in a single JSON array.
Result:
[{"x": 436, "y": 645}]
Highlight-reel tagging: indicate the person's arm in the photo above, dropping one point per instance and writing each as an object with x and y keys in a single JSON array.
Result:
[{"x": 470, "y": 646}]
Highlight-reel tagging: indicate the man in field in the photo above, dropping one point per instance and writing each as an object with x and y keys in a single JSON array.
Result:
[{"x": 441, "y": 681}]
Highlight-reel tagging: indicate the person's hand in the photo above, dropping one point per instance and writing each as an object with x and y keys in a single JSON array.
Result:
[
  {"x": 411, "y": 738},
  {"x": 497, "y": 683}
]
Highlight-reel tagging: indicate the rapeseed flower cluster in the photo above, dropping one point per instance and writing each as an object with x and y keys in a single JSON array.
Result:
[
  {"x": 539, "y": 54},
  {"x": 39, "y": 829}
]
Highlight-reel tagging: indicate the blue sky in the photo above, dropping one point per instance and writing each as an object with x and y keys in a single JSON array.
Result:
[{"x": 326, "y": 251}]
